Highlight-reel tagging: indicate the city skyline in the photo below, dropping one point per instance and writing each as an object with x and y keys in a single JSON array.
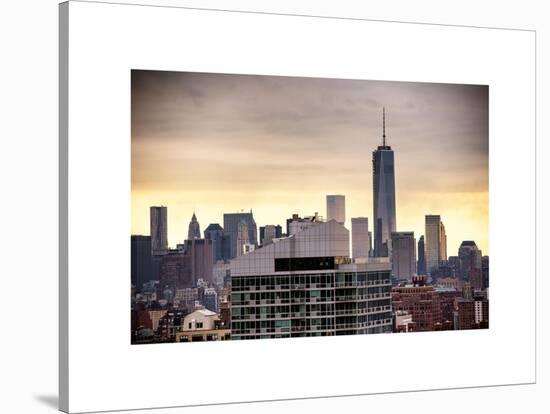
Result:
[{"x": 236, "y": 160}]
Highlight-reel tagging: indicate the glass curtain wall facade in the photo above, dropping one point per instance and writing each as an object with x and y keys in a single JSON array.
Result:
[{"x": 310, "y": 304}]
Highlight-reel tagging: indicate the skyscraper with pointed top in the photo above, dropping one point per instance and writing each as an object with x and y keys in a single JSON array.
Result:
[
  {"x": 194, "y": 229},
  {"x": 383, "y": 185}
]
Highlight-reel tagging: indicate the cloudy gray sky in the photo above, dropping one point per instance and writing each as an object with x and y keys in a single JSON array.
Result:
[{"x": 216, "y": 143}]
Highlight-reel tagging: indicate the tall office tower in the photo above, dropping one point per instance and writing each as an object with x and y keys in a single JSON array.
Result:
[
  {"x": 174, "y": 270},
  {"x": 336, "y": 208},
  {"x": 360, "y": 241},
  {"x": 267, "y": 234},
  {"x": 421, "y": 266},
  {"x": 140, "y": 266},
  {"x": 436, "y": 243},
  {"x": 242, "y": 237},
  {"x": 194, "y": 229},
  {"x": 159, "y": 230},
  {"x": 304, "y": 285},
  {"x": 270, "y": 232},
  {"x": 403, "y": 256},
  {"x": 470, "y": 264},
  {"x": 231, "y": 229},
  {"x": 214, "y": 232},
  {"x": 443, "y": 244},
  {"x": 200, "y": 253},
  {"x": 383, "y": 185}
]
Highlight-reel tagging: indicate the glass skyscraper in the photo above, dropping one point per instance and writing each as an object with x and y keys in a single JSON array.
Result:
[
  {"x": 383, "y": 176},
  {"x": 159, "y": 229}
]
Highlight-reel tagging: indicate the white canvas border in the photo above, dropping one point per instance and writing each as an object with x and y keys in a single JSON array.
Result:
[{"x": 106, "y": 41}]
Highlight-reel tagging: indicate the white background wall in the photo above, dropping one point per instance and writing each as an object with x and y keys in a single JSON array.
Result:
[{"x": 28, "y": 171}]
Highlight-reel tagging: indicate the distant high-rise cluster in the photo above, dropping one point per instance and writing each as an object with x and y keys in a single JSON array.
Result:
[{"x": 232, "y": 283}]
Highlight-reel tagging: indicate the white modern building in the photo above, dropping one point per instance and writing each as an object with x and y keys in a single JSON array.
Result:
[
  {"x": 307, "y": 285},
  {"x": 202, "y": 325},
  {"x": 336, "y": 208},
  {"x": 360, "y": 237}
]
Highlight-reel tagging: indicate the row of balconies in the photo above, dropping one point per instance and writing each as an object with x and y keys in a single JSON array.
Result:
[
  {"x": 353, "y": 298},
  {"x": 338, "y": 298},
  {"x": 302, "y": 286},
  {"x": 358, "y": 325},
  {"x": 314, "y": 314}
]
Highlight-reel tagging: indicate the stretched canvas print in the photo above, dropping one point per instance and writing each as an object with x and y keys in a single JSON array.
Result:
[
  {"x": 276, "y": 207},
  {"x": 296, "y": 213}
]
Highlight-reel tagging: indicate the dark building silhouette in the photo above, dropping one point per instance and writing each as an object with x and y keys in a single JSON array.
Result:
[
  {"x": 141, "y": 267},
  {"x": 174, "y": 270},
  {"x": 485, "y": 271},
  {"x": 194, "y": 231},
  {"x": 421, "y": 266},
  {"x": 470, "y": 270},
  {"x": 472, "y": 313},
  {"x": 215, "y": 233},
  {"x": 200, "y": 259},
  {"x": 231, "y": 229}
]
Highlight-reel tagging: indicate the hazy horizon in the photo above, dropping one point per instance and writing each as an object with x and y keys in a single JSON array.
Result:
[{"x": 219, "y": 143}]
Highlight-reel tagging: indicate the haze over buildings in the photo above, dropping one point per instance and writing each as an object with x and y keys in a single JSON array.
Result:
[{"x": 279, "y": 145}]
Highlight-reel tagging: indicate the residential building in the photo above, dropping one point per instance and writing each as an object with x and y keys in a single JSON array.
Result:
[
  {"x": 421, "y": 301},
  {"x": 403, "y": 322},
  {"x": 202, "y": 325},
  {"x": 306, "y": 285}
]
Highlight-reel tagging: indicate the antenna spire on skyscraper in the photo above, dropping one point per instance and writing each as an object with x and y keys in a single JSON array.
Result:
[{"x": 383, "y": 126}]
